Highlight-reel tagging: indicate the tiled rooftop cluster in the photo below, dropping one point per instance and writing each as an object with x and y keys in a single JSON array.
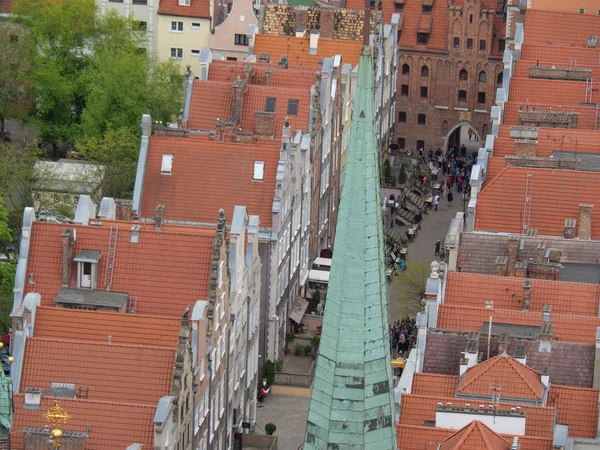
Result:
[{"x": 120, "y": 366}]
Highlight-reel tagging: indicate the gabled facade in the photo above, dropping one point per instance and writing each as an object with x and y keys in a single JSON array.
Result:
[
  {"x": 230, "y": 37},
  {"x": 184, "y": 27}
]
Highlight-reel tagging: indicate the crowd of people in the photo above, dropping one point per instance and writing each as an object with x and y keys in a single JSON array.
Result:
[{"x": 402, "y": 337}]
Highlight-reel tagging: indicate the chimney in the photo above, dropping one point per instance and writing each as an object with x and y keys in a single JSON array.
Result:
[
  {"x": 471, "y": 353},
  {"x": 33, "y": 398},
  {"x": 146, "y": 125},
  {"x": 268, "y": 77},
  {"x": 545, "y": 377},
  {"x": 570, "y": 227},
  {"x": 541, "y": 251},
  {"x": 546, "y": 313},
  {"x": 513, "y": 249},
  {"x": 237, "y": 103},
  {"x": 283, "y": 62},
  {"x": 545, "y": 345},
  {"x": 285, "y": 133},
  {"x": 68, "y": 238},
  {"x": 501, "y": 265},
  {"x": 264, "y": 124},
  {"x": 314, "y": 42},
  {"x": 585, "y": 221},
  {"x": 521, "y": 354},
  {"x": 521, "y": 269},
  {"x": 300, "y": 31},
  {"x": 526, "y": 294},
  {"x": 502, "y": 343},
  {"x": 249, "y": 73},
  {"x": 553, "y": 255},
  {"x": 135, "y": 234},
  {"x": 159, "y": 217}
]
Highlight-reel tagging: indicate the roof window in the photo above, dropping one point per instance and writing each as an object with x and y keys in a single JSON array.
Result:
[
  {"x": 293, "y": 107},
  {"x": 259, "y": 171},
  {"x": 270, "y": 104},
  {"x": 184, "y": 2},
  {"x": 167, "y": 164}
]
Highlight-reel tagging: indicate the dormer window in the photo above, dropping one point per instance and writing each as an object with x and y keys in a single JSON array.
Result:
[
  {"x": 87, "y": 269},
  {"x": 259, "y": 171},
  {"x": 167, "y": 164}
]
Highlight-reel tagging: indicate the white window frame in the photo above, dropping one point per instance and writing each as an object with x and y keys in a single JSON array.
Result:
[
  {"x": 216, "y": 316},
  {"x": 221, "y": 273},
  {"x": 166, "y": 167},
  {"x": 194, "y": 52},
  {"x": 178, "y": 26},
  {"x": 177, "y": 52},
  {"x": 202, "y": 368},
  {"x": 184, "y": 2},
  {"x": 196, "y": 25},
  {"x": 222, "y": 304},
  {"x": 258, "y": 174},
  {"x": 212, "y": 358}
]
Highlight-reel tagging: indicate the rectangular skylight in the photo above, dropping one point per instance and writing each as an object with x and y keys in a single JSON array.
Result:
[
  {"x": 259, "y": 170},
  {"x": 167, "y": 164}
]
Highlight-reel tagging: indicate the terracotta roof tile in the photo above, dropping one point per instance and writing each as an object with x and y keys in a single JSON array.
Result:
[
  {"x": 197, "y": 8},
  {"x": 555, "y": 197},
  {"x": 553, "y": 54},
  {"x": 411, "y": 437},
  {"x": 567, "y": 29},
  {"x": 131, "y": 329},
  {"x": 109, "y": 425},
  {"x": 517, "y": 380},
  {"x": 475, "y": 436},
  {"x": 566, "y": 328},
  {"x": 196, "y": 190},
  {"x": 298, "y": 76},
  {"x": 577, "y": 408},
  {"x": 212, "y": 100},
  {"x": 219, "y": 95},
  {"x": 549, "y": 92},
  {"x": 416, "y": 409},
  {"x": 162, "y": 265},
  {"x": 297, "y": 49},
  {"x": 135, "y": 374},
  {"x": 586, "y": 115},
  {"x": 434, "y": 385},
  {"x": 551, "y": 139},
  {"x": 466, "y": 289},
  {"x": 495, "y": 165}
]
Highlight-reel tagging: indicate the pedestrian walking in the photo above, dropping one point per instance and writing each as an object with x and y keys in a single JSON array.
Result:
[
  {"x": 450, "y": 198},
  {"x": 436, "y": 201},
  {"x": 418, "y": 219},
  {"x": 437, "y": 247}
]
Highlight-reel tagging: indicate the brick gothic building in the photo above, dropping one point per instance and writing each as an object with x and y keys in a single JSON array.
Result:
[{"x": 449, "y": 68}]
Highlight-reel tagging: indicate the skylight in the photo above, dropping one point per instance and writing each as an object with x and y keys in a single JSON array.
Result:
[
  {"x": 259, "y": 170},
  {"x": 167, "y": 164}
]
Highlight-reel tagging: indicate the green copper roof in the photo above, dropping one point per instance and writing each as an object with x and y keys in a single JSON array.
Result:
[
  {"x": 6, "y": 405},
  {"x": 352, "y": 402}
]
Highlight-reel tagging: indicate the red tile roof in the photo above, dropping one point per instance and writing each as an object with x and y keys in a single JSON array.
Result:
[
  {"x": 130, "y": 329},
  {"x": 517, "y": 380},
  {"x": 198, "y": 186},
  {"x": 212, "y": 100},
  {"x": 198, "y": 8},
  {"x": 416, "y": 409},
  {"x": 495, "y": 165},
  {"x": 577, "y": 408},
  {"x": 566, "y": 328},
  {"x": 467, "y": 289},
  {"x": 300, "y": 77},
  {"x": 297, "y": 49},
  {"x": 124, "y": 373},
  {"x": 110, "y": 426},
  {"x": 567, "y": 55},
  {"x": 567, "y": 29},
  {"x": 166, "y": 271},
  {"x": 532, "y": 91},
  {"x": 411, "y": 437},
  {"x": 475, "y": 436},
  {"x": 549, "y": 139},
  {"x": 555, "y": 197},
  {"x": 434, "y": 385},
  {"x": 586, "y": 115}
]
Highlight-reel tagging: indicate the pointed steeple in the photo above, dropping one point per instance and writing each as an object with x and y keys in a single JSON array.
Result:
[{"x": 352, "y": 402}]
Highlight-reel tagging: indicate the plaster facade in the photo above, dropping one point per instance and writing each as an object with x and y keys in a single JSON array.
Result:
[
  {"x": 142, "y": 11},
  {"x": 183, "y": 46},
  {"x": 230, "y": 37}
]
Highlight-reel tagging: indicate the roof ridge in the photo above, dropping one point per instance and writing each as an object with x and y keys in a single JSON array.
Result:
[
  {"x": 103, "y": 344},
  {"x": 575, "y": 388},
  {"x": 104, "y": 402},
  {"x": 484, "y": 432},
  {"x": 111, "y": 313},
  {"x": 487, "y": 185},
  {"x": 517, "y": 367},
  {"x": 487, "y": 366}
]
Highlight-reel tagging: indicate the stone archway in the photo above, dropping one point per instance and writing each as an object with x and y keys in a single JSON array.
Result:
[{"x": 452, "y": 132}]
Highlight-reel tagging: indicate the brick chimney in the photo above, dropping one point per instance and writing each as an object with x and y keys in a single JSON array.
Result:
[
  {"x": 546, "y": 313},
  {"x": 159, "y": 217},
  {"x": 314, "y": 42},
  {"x": 541, "y": 251},
  {"x": 545, "y": 344},
  {"x": 68, "y": 239},
  {"x": 513, "y": 250},
  {"x": 521, "y": 269},
  {"x": 501, "y": 265},
  {"x": 237, "y": 103},
  {"x": 503, "y": 343},
  {"x": 570, "y": 227},
  {"x": 585, "y": 221},
  {"x": 268, "y": 77},
  {"x": 264, "y": 124},
  {"x": 526, "y": 294}
]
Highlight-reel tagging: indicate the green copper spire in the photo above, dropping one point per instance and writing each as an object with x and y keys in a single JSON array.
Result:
[{"x": 352, "y": 401}]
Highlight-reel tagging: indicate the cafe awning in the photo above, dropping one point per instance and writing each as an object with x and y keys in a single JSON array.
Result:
[
  {"x": 298, "y": 309},
  {"x": 319, "y": 276},
  {"x": 325, "y": 262}
]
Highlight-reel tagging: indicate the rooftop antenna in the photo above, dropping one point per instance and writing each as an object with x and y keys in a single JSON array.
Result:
[
  {"x": 367, "y": 23},
  {"x": 495, "y": 398}
]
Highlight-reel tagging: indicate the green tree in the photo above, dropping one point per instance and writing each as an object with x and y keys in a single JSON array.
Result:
[
  {"x": 13, "y": 64},
  {"x": 7, "y": 284},
  {"x": 6, "y": 234}
]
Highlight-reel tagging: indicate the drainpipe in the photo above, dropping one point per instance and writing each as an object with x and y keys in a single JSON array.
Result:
[
  {"x": 268, "y": 290},
  {"x": 210, "y": 411},
  {"x": 245, "y": 387}
]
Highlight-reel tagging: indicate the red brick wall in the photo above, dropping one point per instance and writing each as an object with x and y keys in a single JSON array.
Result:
[{"x": 264, "y": 123}]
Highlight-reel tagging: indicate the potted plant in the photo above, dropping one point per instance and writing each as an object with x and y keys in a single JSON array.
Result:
[
  {"x": 289, "y": 337},
  {"x": 270, "y": 428},
  {"x": 316, "y": 340},
  {"x": 269, "y": 371},
  {"x": 316, "y": 298},
  {"x": 299, "y": 348},
  {"x": 402, "y": 175},
  {"x": 279, "y": 365},
  {"x": 307, "y": 350}
]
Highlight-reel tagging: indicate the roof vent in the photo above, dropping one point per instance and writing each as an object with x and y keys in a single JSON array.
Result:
[
  {"x": 33, "y": 398},
  {"x": 96, "y": 223},
  {"x": 135, "y": 234}
]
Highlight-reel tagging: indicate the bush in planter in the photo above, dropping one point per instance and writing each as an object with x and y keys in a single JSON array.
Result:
[
  {"x": 387, "y": 171},
  {"x": 269, "y": 371},
  {"x": 270, "y": 428},
  {"x": 316, "y": 340},
  {"x": 299, "y": 349},
  {"x": 278, "y": 365},
  {"x": 394, "y": 181},
  {"x": 316, "y": 298},
  {"x": 402, "y": 175},
  {"x": 307, "y": 350},
  {"x": 289, "y": 337}
]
